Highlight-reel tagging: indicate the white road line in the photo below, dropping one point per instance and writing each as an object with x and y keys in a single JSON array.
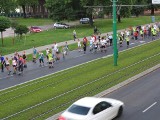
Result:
[
  {"x": 132, "y": 43},
  {"x": 79, "y": 56},
  {"x": 6, "y": 77},
  {"x": 149, "y": 107},
  {"x": 142, "y": 41}
]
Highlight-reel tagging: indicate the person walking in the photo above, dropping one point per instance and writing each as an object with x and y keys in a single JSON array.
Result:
[
  {"x": 135, "y": 35},
  {"x": 14, "y": 65},
  {"x": 79, "y": 45},
  {"x": 41, "y": 59},
  {"x": 50, "y": 58},
  {"x": 47, "y": 51},
  {"x": 7, "y": 65},
  {"x": 34, "y": 54},
  {"x": 142, "y": 34},
  {"x": 91, "y": 43},
  {"x": 110, "y": 39},
  {"x": 154, "y": 32},
  {"x": 67, "y": 48},
  {"x": 120, "y": 40},
  {"x": 74, "y": 35},
  {"x": 127, "y": 41},
  {"x": 20, "y": 65},
  {"x": 84, "y": 44},
  {"x": 25, "y": 59},
  {"x": 2, "y": 63},
  {"x": 63, "y": 52}
]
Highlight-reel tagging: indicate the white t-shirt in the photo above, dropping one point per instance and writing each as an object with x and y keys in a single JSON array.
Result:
[
  {"x": 14, "y": 62},
  {"x": 47, "y": 51},
  {"x": 56, "y": 47},
  {"x": 79, "y": 43}
]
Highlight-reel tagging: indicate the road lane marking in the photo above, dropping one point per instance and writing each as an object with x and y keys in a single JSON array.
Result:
[
  {"x": 6, "y": 77},
  {"x": 79, "y": 56},
  {"x": 149, "y": 107},
  {"x": 132, "y": 43},
  {"x": 142, "y": 41}
]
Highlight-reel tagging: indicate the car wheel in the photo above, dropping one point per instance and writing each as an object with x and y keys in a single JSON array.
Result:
[{"x": 120, "y": 111}]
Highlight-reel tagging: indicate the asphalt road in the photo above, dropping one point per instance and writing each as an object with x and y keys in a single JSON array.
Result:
[
  {"x": 141, "y": 98},
  {"x": 74, "y": 58}
]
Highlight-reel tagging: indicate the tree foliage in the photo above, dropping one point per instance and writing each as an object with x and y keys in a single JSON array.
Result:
[
  {"x": 21, "y": 29},
  {"x": 6, "y": 6},
  {"x": 60, "y": 9},
  {"x": 24, "y": 3},
  {"x": 137, "y": 10},
  {"x": 4, "y": 24}
]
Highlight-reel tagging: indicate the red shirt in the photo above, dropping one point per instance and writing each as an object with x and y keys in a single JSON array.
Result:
[{"x": 85, "y": 40}]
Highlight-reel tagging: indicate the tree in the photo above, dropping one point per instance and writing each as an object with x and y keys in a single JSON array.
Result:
[
  {"x": 21, "y": 29},
  {"x": 152, "y": 7},
  {"x": 6, "y": 6},
  {"x": 137, "y": 10},
  {"x": 60, "y": 9},
  {"x": 90, "y": 10},
  {"x": 4, "y": 24},
  {"x": 24, "y": 3},
  {"x": 14, "y": 24}
]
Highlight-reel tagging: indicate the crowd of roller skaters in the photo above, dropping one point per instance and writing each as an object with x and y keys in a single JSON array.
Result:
[{"x": 96, "y": 43}]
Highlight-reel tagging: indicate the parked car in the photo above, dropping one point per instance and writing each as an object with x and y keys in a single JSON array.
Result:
[
  {"x": 61, "y": 25},
  {"x": 84, "y": 20},
  {"x": 35, "y": 29},
  {"x": 91, "y": 108}
]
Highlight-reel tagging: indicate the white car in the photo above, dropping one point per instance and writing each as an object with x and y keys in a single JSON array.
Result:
[
  {"x": 61, "y": 25},
  {"x": 91, "y": 108}
]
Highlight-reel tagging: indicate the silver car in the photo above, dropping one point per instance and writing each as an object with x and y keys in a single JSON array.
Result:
[{"x": 61, "y": 25}]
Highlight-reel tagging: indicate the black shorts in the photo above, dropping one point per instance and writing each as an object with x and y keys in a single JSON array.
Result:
[
  {"x": 14, "y": 65},
  {"x": 41, "y": 61},
  {"x": 6, "y": 65},
  {"x": 103, "y": 46}
]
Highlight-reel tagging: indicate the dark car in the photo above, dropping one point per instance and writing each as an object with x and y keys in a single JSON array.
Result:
[
  {"x": 84, "y": 20},
  {"x": 35, "y": 29}
]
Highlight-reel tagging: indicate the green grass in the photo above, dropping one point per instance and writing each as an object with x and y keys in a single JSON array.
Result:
[
  {"x": 60, "y": 35},
  {"x": 100, "y": 74},
  {"x": 33, "y": 21}
]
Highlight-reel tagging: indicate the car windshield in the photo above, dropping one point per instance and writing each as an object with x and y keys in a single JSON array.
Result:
[
  {"x": 35, "y": 27},
  {"x": 81, "y": 110}
]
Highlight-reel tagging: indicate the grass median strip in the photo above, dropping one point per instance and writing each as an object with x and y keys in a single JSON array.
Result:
[{"x": 46, "y": 96}]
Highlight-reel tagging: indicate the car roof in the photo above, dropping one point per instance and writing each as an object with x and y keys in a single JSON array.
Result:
[
  {"x": 89, "y": 101},
  {"x": 35, "y": 27}
]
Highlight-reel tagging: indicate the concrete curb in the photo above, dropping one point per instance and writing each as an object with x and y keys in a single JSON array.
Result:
[{"x": 110, "y": 90}]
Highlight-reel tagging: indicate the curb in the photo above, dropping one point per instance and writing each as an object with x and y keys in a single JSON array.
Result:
[{"x": 114, "y": 88}]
